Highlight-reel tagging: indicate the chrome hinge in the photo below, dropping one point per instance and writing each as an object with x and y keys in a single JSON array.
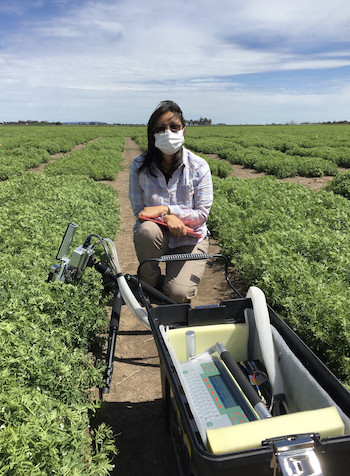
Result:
[{"x": 295, "y": 457}]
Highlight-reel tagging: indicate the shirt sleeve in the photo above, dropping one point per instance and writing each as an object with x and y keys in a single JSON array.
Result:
[{"x": 135, "y": 190}]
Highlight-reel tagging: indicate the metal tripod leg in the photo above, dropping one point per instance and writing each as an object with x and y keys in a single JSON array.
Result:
[{"x": 113, "y": 330}]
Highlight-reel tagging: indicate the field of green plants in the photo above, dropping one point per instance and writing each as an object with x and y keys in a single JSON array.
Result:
[
  {"x": 46, "y": 328},
  {"x": 289, "y": 240},
  {"x": 282, "y": 151},
  {"x": 308, "y": 151}
]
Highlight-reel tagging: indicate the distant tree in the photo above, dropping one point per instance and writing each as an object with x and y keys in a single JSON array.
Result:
[{"x": 198, "y": 122}]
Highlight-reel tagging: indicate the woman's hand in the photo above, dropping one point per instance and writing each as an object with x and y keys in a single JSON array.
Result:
[
  {"x": 175, "y": 225},
  {"x": 154, "y": 212}
]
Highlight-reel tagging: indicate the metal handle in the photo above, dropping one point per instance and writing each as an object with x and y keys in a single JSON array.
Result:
[
  {"x": 295, "y": 457},
  {"x": 184, "y": 257}
]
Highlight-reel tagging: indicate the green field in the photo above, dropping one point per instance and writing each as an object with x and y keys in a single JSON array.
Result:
[
  {"x": 48, "y": 328},
  {"x": 283, "y": 151},
  {"x": 290, "y": 241}
]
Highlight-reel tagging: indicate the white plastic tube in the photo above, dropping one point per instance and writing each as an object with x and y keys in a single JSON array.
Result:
[
  {"x": 127, "y": 295},
  {"x": 262, "y": 321}
]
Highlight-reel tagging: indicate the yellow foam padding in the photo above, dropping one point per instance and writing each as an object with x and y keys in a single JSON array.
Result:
[
  {"x": 325, "y": 421},
  {"x": 233, "y": 336}
]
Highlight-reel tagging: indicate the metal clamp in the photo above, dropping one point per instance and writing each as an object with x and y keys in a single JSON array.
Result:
[{"x": 295, "y": 456}]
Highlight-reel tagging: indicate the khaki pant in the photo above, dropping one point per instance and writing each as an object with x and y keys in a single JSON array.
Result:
[{"x": 182, "y": 277}]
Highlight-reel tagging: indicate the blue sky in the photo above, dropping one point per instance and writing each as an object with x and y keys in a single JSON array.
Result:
[{"x": 234, "y": 61}]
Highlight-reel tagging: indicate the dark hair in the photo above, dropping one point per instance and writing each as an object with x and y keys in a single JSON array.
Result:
[{"x": 152, "y": 152}]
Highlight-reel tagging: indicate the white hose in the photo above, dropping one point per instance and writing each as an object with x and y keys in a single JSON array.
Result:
[
  {"x": 127, "y": 295},
  {"x": 262, "y": 321}
]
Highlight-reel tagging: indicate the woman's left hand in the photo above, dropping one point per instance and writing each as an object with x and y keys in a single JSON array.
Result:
[{"x": 175, "y": 225}]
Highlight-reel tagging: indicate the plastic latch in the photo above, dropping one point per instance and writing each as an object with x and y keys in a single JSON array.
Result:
[{"x": 295, "y": 457}]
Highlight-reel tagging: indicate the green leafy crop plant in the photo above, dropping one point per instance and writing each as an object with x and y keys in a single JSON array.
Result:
[
  {"x": 293, "y": 243},
  {"x": 99, "y": 160},
  {"x": 283, "y": 151},
  {"x": 340, "y": 185},
  {"x": 41, "y": 435},
  {"x": 22, "y": 148},
  {"x": 48, "y": 328}
]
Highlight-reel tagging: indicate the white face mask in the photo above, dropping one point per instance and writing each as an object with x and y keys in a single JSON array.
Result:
[{"x": 169, "y": 142}]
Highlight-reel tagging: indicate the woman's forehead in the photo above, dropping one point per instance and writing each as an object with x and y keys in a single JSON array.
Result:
[{"x": 168, "y": 117}]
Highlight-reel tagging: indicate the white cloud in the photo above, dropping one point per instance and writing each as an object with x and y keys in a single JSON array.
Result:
[
  {"x": 291, "y": 19},
  {"x": 197, "y": 50}
]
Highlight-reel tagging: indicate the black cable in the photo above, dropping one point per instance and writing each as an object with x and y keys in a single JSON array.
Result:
[{"x": 104, "y": 244}]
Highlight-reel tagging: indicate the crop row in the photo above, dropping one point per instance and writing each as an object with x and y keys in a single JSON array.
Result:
[
  {"x": 100, "y": 160},
  {"x": 293, "y": 243},
  {"x": 25, "y": 148},
  {"x": 48, "y": 328},
  {"x": 284, "y": 152},
  {"x": 276, "y": 137},
  {"x": 281, "y": 151}
]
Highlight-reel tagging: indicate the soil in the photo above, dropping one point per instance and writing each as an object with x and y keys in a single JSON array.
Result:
[{"x": 133, "y": 407}]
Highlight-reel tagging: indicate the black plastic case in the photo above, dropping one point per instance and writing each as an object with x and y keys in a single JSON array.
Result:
[{"x": 193, "y": 458}]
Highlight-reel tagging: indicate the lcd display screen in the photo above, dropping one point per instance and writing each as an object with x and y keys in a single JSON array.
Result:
[{"x": 221, "y": 389}]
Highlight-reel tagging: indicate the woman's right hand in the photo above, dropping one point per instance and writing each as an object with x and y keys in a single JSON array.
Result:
[{"x": 154, "y": 212}]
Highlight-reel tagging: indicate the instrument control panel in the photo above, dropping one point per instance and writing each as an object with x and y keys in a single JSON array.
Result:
[{"x": 214, "y": 397}]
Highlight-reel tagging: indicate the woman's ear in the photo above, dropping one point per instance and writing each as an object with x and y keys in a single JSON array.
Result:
[{"x": 184, "y": 129}]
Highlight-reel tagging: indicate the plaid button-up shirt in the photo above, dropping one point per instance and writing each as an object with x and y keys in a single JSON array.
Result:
[{"x": 188, "y": 194}]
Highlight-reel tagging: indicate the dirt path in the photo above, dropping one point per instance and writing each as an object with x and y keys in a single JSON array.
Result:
[{"x": 133, "y": 408}]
